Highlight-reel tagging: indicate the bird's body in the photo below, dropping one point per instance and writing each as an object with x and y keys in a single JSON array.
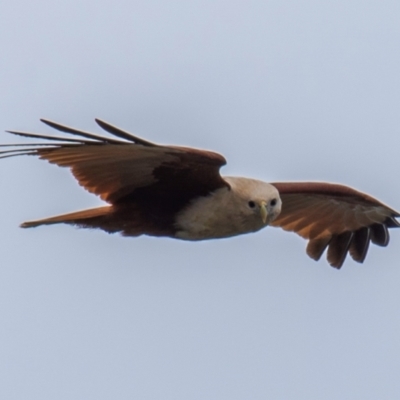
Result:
[
  {"x": 205, "y": 217},
  {"x": 178, "y": 192},
  {"x": 211, "y": 217}
]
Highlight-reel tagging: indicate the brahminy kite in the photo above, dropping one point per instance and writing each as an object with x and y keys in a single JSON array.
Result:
[{"x": 178, "y": 192}]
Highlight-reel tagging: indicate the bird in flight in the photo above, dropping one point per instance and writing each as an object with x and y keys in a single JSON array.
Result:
[{"x": 178, "y": 192}]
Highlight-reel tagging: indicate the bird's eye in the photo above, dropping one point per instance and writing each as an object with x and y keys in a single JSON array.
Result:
[
  {"x": 273, "y": 202},
  {"x": 251, "y": 204}
]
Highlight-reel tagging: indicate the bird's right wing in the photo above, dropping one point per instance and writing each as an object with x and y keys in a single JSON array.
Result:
[{"x": 115, "y": 167}]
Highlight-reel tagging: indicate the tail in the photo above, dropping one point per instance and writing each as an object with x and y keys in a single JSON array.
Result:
[
  {"x": 86, "y": 218},
  {"x": 129, "y": 221}
]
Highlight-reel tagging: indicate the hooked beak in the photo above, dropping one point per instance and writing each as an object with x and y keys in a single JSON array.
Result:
[{"x": 263, "y": 212}]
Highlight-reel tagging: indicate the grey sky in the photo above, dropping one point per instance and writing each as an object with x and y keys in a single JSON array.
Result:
[{"x": 285, "y": 90}]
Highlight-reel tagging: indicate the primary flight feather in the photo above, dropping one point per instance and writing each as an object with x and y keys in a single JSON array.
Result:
[{"x": 178, "y": 192}]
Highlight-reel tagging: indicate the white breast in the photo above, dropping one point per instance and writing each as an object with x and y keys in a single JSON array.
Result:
[{"x": 223, "y": 213}]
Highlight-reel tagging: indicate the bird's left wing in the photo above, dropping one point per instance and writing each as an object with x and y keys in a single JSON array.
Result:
[
  {"x": 115, "y": 167},
  {"x": 335, "y": 217}
]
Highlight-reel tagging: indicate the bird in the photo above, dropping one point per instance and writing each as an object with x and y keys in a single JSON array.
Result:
[{"x": 178, "y": 192}]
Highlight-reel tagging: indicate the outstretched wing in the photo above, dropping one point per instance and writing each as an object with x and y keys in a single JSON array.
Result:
[
  {"x": 124, "y": 167},
  {"x": 335, "y": 217}
]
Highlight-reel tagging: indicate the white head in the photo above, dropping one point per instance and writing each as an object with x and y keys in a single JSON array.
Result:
[
  {"x": 247, "y": 206},
  {"x": 257, "y": 201}
]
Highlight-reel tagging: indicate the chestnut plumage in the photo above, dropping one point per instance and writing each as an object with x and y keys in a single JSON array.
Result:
[{"x": 178, "y": 192}]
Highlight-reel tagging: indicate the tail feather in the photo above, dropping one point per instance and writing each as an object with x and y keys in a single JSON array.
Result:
[
  {"x": 129, "y": 221},
  {"x": 76, "y": 218}
]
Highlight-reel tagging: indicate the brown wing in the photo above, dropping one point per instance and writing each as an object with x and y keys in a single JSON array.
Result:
[
  {"x": 131, "y": 169},
  {"x": 334, "y": 216}
]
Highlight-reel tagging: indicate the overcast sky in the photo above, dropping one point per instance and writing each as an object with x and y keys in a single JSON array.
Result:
[{"x": 285, "y": 90}]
